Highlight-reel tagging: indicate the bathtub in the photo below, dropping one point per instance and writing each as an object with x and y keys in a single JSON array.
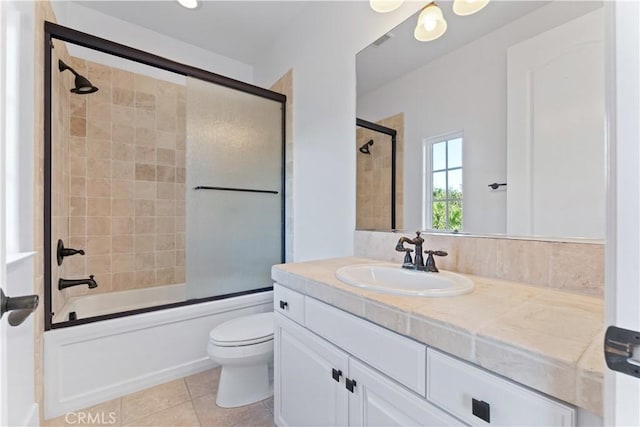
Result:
[
  {"x": 94, "y": 362},
  {"x": 114, "y": 302}
]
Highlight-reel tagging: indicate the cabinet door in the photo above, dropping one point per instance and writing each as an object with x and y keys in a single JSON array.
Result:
[
  {"x": 306, "y": 393},
  {"x": 378, "y": 401}
]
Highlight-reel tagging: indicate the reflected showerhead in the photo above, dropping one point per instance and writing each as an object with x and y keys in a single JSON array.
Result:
[
  {"x": 365, "y": 148},
  {"x": 83, "y": 85}
]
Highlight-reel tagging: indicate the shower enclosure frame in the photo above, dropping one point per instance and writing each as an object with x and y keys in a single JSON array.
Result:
[
  {"x": 54, "y": 31},
  {"x": 392, "y": 133}
]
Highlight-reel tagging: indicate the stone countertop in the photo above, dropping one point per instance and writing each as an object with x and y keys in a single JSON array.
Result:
[{"x": 549, "y": 340}]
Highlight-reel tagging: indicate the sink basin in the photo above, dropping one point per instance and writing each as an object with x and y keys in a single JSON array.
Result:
[{"x": 393, "y": 279}]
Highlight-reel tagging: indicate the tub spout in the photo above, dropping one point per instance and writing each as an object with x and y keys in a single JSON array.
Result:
[{"x": 66, "y": 283}]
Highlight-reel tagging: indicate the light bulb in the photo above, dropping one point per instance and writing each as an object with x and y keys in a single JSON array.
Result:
[
  {"x": 189, "y": 4},
  {"x": 431, "y": 24},
  {"x": 384, "y": 6},
  {"x": 468, "y": 7}
]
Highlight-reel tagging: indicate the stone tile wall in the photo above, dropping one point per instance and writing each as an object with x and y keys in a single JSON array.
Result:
[
  {"x": 127, "y": 174},
  {"x": 61, "y": 83},
  {"x": 571, "y": 266}
]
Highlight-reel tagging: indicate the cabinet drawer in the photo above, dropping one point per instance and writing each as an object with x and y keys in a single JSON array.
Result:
[
  {"x": 288, "y": 302},
  {"x": 463, "y": 390},
  {"x": 399, "y": 357}
]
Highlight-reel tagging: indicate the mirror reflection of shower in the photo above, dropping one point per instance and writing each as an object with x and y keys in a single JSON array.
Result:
[
  {"x": 379, "y": 173},
  {"x": 365, "y": 148}
]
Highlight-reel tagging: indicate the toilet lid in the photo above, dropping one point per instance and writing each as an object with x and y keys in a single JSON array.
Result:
[{"x": 244, "y": 330}]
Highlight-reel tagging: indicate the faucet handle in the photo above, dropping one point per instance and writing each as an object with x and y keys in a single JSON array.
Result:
[
  {"x": 430, "y": 265},
  {"x": 436, "y": 253}
]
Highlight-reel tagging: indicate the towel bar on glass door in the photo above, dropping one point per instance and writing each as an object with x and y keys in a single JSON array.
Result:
[{"x": 247, "y": 190}]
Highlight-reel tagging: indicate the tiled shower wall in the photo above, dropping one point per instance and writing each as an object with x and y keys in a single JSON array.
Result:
[
  {"x": 61, "y": 83},
  {"x": 373, "y": 192},
  {"x": 127, "y": 173}
]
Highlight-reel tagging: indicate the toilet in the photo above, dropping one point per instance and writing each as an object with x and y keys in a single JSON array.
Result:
[{"x": 244, "y": 348}]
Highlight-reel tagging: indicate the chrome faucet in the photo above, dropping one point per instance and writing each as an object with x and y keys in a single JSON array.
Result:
[
  {"x": 65, "y": 283},
  {"x": 418, "y": 264}
]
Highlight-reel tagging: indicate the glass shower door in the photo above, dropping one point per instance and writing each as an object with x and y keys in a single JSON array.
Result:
[{"x": 234, "y": 190}]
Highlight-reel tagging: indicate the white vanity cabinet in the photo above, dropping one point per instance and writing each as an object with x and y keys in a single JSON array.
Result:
[
  {"x": 317, "y": 384},
  {"x": 306, "y": 393},
  {"x": 378, "y": 401},
  {"x": 336, "y": 369}
]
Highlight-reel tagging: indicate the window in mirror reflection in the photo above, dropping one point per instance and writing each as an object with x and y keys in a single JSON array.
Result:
[{"x": 443, "y": 171}]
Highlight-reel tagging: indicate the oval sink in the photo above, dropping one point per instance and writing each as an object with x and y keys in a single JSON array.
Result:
[{"x": 393, "y": 279}]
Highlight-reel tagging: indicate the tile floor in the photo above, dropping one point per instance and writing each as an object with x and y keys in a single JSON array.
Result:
[{"x": 187, "y": 402}]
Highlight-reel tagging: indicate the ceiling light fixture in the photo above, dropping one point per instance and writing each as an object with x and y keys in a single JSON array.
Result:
[
  {"x": 384, "y": 6},
  {"x": 431, "y": 24},
  {"x": 189, "y": 4},
  {"x": 468, "y": 7}
]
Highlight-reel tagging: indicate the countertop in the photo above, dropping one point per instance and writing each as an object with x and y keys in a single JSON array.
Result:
[{"x": 549, "y": 340}]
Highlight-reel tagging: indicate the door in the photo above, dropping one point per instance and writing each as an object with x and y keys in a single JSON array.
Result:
[
  {"x": 622, "y": 392},
  {"x": 555, "y": 131},
  {"x": 3, "y": 269},
  {"x": 17, "y": 395},
  {"x": 306, "y": 393},
  {"x": 378, "y": 401}
]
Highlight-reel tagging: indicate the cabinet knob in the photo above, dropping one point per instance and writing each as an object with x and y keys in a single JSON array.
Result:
[
  {"x": 283, "y": 304},
  {"x": 336, "y": 374},
  {"x": 481, "y": 409},
  {"x": 350, "y": 384}
]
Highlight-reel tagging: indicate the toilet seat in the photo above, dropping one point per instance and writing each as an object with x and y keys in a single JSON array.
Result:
[{"x": 243, "y": 331}]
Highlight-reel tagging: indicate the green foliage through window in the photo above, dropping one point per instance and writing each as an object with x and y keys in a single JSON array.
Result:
[{"x": 446, "y": 185}]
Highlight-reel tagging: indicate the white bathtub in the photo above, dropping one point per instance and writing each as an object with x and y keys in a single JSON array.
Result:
[
  {"x": 114, "y": 302},
  {"x": 95, "y": 362}
]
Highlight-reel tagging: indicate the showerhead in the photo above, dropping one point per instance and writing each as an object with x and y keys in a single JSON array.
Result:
[
  {"x": 365, "y": 148},
  {"x": 83, "y": 85}
]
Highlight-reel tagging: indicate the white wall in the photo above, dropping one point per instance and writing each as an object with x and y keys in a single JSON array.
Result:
[
  {"x": 464, "y": 90},
  {"x": 98, "y": 24},
  {"x": 321, "y": 47}
]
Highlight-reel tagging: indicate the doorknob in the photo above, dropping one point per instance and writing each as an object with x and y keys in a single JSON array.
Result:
[
  {"x": 619, "y": 347},
  {"x": 21, "y": 307}
]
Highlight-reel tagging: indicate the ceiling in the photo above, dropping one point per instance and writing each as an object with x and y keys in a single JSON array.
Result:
[
  {"x": 240, "y": 29},
  {"x": 235, "y": 29},
  {"x": 403, "y": 53}
]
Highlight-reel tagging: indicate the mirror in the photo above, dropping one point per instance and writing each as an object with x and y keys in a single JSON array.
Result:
[{"x": 502, "y": 120}]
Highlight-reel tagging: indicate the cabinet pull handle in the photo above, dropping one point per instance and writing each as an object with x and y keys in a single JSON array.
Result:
[
  {"x": 481, "y": 409},
  {"x": 350, "y": 384},
  {"x": 336, "y": 374},
  {"x": 283, "y": 304}
]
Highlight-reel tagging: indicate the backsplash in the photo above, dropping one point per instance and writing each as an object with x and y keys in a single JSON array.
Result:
[{"x": 570, "y": 266}]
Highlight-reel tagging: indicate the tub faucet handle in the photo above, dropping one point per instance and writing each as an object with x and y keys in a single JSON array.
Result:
[{"x": 64, "y": 252}]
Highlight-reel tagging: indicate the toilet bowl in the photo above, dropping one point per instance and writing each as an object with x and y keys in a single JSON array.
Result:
[{"x": 244, "y": 348}]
